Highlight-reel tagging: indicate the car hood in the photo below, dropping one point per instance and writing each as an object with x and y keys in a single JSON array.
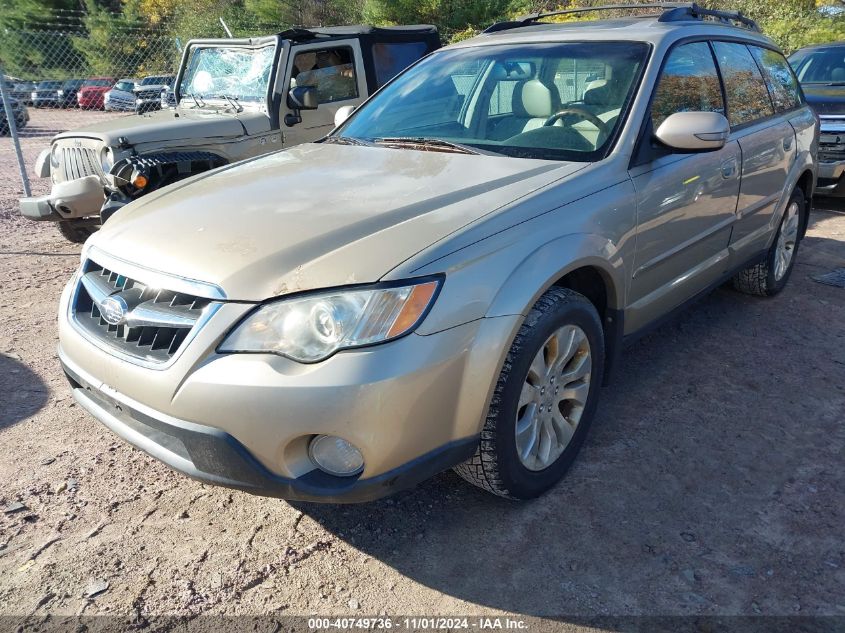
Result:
[
  {"x": 167, "y": 125},
  {"x": 316, "y": 216},
  {"x": 825, "y": 99}
]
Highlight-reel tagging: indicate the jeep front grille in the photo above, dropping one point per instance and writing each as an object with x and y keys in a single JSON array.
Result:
[
  {"x": 149, "y": 324},
  {"x": 77, "y": 162}
]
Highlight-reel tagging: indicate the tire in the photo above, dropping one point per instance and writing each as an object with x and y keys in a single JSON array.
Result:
[
  {"x": 769, "y": 277},
  {"x": 497, "y": 465},
  {"x": 78, "y": 231}
]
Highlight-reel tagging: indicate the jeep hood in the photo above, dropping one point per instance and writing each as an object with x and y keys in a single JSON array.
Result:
[
  {"x": 169, "y": 125},
  {"x": 315, "y": 216}
]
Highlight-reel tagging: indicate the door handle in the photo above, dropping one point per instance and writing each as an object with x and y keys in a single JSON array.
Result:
[
  {"x": 729, "y": 168},
  {"x": 787, "y": 144}
]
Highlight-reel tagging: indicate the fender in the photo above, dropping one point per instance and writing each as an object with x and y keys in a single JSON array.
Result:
[{"x": 542, "y": 268}]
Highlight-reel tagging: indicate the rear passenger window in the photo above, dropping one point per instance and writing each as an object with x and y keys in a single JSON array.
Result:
[
  {"x": 783, "y": 86},
  {"x": 689, "y": 83},
  {"x": 748, "y": 97}
]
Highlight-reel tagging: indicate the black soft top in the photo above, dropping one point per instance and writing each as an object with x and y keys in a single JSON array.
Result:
[{"x": 411, "y": 32}]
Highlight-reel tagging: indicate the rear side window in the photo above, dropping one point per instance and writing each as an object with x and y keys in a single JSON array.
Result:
[
  {"x": 748, "y": 97},
  {"x": 392, "y": 59},
  {"x": 783, "y": 86},
  {"x": 689, "y": 83}
]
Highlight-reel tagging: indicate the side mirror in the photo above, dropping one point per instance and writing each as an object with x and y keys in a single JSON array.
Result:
[
  {"x": 303, "y": 98},
  {"x": 694, "y": 131},
  {"x": 342, "y": 114}
]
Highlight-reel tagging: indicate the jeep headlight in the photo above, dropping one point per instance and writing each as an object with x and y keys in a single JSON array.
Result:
[{"x": 311, "y": 328}]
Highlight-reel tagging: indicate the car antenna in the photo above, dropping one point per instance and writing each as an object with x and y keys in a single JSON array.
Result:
[{"x": 226, "y": 28}]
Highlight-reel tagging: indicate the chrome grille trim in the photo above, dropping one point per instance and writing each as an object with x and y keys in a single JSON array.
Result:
[
  {"x": 151, "y": 277},
  {"x": 157, "y": 323}
]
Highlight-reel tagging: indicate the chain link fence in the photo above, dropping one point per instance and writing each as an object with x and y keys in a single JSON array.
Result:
[{"x": 57, "y": 77}]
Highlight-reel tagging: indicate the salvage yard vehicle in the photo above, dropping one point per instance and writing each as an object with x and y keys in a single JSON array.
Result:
[
  {"x": 148, "y": 92},
  {"x": 821, "y": 71},
  {"x": 447, "y": 278},
  {"x": 91, "y": 95},
  {"x": 121, "y": 97},
  {"x": 236, "y": 99}
]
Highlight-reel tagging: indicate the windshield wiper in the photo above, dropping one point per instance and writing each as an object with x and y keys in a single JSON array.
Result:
[
  {"x": 233, "y": 101},
  {"x": 347, "y": 140},
  {"x": 422, "y": 142},
  {"x": 198, "y": 101}
]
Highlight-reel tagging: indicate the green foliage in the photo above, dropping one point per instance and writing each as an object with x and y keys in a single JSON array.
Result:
[{"x": 54, "y": 39}]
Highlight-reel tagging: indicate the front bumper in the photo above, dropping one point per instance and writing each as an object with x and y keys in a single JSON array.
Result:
[
  {"x": 214, "y": 456},
  {"x": 68, "y": 200},
  {"x": 830, "y": 180},
  {"x": 414, "y": 406}
]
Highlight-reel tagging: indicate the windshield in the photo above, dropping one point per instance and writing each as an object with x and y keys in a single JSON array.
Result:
[
  {"x": 97, "y": 82},
  {"x": 548, "y": 101},
  {"x": 237, "y": 72},
  {"x": 820, "y": 66},
  {"x": 48, "y": 85}
]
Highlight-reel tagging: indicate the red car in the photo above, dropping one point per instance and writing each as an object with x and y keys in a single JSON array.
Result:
[{"x": 90, "y": 95}]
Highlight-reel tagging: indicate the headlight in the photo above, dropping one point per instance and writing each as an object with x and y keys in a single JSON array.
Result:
[
  {"x": 60, "y": 92},
  {"x": 312, "y": 328}
]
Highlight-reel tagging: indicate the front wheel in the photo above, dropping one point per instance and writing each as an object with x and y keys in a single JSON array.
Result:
[
  {"x": 544, "y": 400},
  {"x": 769, "y": 277},
  {"x": 78, "y": 231}
]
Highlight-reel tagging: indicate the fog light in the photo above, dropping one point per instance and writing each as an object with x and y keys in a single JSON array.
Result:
[{"x": 336, "y": 456}]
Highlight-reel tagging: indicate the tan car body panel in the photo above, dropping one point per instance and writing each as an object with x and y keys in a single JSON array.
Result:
[{"x": 290, "y": 228}]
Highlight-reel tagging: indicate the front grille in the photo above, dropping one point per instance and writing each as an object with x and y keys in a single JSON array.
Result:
[
  {"x": 149, "y": 94},
  {"x": 155, "y": 322},
  {"x": 78, "y": 162}
]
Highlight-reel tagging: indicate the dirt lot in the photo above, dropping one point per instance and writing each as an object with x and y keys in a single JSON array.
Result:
[{"x": 713, "y": 484}]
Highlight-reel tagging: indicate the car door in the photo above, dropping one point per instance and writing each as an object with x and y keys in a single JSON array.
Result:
[
  {"x": 767, "y": 142},
  {"x": 686, "y": 202},
  {"x": 336, "y": 70}
]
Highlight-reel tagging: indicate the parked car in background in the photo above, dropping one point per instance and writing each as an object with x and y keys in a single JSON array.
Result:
[
  {"x": 91, "y": 96},
  {"x": 444, "y": 279},
  {"x": 22, "y": 91},
  {"x": 46, "y": 94},
  {"x": 236, "y": 99},
  {"x": 168, "y": 97},
  {"x": 21, "y": 115},
  {"x": 148, "y": 92},
  {"x": 121, "y": 98},
  {"x": 67, "y": 93},
  {"x": 821, "y": 71}
]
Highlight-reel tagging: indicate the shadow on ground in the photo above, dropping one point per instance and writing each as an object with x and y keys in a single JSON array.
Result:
[
  {"x": 22, "y": 392},
  {"x": 711, "y": 482}
]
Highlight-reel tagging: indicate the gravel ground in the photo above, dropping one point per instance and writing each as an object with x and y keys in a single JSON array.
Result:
[{"x": 712, "y": 484}]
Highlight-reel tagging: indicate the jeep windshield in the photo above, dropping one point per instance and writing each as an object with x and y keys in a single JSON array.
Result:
[
  {"x": 227, "y": 74},
  {"x": 562, "y": 101}
]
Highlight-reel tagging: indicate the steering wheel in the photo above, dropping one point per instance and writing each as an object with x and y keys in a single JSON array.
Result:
[{"x": 579, "y": 112}]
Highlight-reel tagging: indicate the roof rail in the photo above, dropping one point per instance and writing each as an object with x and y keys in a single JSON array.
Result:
[{"x": 671, "y": 12}]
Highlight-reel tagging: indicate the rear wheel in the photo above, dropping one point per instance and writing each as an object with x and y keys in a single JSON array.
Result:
[
  {"x": 769, "y": 277},
  {"x": 544, "y": 400},
  {"x": 78, "y": 230}
]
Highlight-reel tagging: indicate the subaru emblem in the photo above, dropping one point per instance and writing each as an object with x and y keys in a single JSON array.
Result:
[{"x": 113, "y": 309}]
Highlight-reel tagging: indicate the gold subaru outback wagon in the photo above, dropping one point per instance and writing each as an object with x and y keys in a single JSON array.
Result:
[{"x": 445, "y": 280}]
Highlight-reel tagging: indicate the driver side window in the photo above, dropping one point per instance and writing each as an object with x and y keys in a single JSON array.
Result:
[
  {"x": 689, "y": 83},
  {"x": 330, "y": 70}
]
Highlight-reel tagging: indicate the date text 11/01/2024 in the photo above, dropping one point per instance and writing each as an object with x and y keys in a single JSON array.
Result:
[{"x": 417, "y": 623}]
